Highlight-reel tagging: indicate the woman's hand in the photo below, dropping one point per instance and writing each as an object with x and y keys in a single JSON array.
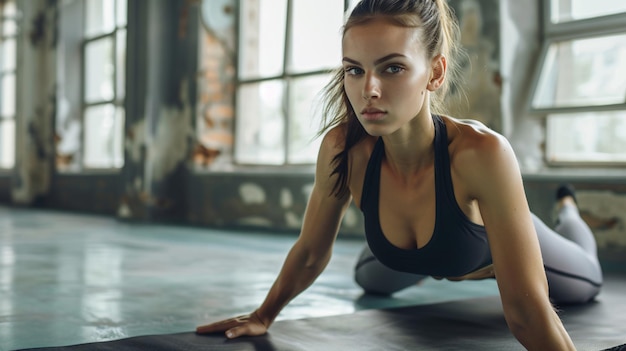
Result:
[{"x": 250, "y": 325}]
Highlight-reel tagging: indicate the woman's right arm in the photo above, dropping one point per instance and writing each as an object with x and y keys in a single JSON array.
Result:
[{"x": 309, "y": 255}]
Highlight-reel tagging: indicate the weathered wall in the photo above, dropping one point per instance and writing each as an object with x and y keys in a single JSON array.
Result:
[
  {"x": 602, "y": 204},
  {"x": 160, "y": 105},
  {"x": 5, "y": 189},
  {"x": 480, "y": 85},
  {"x": 272, "y": 201},
  {"x": 36, "y": 105}
]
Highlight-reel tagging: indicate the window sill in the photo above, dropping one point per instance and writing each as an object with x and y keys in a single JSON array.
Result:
[
  {"x": 86, "y": 173},
  {"x": 577, "y": 174},
  {"x": 290, "y": 170}
]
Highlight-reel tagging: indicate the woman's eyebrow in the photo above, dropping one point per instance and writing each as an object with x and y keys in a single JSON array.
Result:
[{"x": 376, "y": 62}]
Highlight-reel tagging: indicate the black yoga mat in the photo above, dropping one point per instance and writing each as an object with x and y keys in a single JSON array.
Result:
[{"x": 475, "y": 324}]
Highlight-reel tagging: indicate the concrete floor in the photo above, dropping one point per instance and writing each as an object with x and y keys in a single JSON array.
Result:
[{"x": 67, "y": 279}]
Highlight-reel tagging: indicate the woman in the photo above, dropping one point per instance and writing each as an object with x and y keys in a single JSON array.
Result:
[{"x": 441, "y": 197}]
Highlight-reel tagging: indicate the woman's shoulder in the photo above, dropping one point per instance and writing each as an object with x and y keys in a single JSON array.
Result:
[
  {"x": 482, "y": 160},
  {"x": 472, "y": 138},
  {"x": 477, "y": 152}
]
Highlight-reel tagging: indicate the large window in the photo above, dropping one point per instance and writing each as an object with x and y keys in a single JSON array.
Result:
[
  {"x": 8, "y": 33},
  {"x": 90, "y": 118},
  {"x": 581, "y": 84},
  {"x": 286, "y": 51}
]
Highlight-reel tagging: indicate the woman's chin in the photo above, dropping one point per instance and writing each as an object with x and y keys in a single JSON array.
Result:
[{"x": 376, "y": 130}]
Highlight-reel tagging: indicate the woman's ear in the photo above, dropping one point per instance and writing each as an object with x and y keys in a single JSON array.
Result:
[{"x": 439, "y": 66}]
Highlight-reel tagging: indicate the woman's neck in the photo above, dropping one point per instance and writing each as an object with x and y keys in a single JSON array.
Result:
[{"x": 411, "y": 148}]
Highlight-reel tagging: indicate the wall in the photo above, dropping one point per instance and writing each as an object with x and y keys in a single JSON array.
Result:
[
  {"x": 602, "y": 204},
  {"x": 36, "y": 102},
  {"x": 5, "y": 188}
]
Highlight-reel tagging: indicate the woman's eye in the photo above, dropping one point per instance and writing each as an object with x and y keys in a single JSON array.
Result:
[
  {"x": 394, "y": 69},
  {"x": 353, "y": 71}
]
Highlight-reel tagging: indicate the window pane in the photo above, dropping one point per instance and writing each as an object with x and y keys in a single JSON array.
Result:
[
  {"x": 260, "y": 124},
  {"x": 584, "y": 72},
  {"x": 8, "y": 95},
  {"x": 120, "y": 63},
  {"x": 8, "y": 54},
  {"x": 571, "y": 10},
  {"x": 68, "y": 144},
  {"x": 8, "y": 8},
  {"x": 7, "y": 143},
  {"x": 587, "y": 137},
  {"x": 122, "y": 12},
  {"x": 316, "y": 46},
  {"x": 99, "y": 70},
  {"x": 9, "y": 27},
  {"x": 305, "y": 117},
  {"x": 100, "y": 17},
  {"x": 262, "y": 38},
  {"x": 103, "y": 137}
]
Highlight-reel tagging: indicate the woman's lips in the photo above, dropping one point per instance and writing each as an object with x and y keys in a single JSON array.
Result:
[{"x": 373, "y": 114}]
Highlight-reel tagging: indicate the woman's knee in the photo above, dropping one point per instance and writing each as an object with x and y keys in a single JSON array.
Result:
[{"x": 570, "y": 291}]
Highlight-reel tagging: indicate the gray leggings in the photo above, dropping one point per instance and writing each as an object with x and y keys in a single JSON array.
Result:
[{"x": 569, "y": 256}]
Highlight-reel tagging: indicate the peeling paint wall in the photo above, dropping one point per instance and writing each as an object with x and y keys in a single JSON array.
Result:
[
  {"x": 605, "y": 212},
  {"x": 161, "y": 152},
  {"x": 159, "y": 130},
  {"x": 602, "y": 204},
  {"x": 267, "y": 201},
  {"x": 216, "y": 87},
  {"x": 480, "y": 72},
  {"x": 36, "y": 105}
]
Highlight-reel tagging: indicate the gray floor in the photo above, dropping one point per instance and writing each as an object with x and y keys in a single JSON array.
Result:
[{"x": 67, "y": 279}]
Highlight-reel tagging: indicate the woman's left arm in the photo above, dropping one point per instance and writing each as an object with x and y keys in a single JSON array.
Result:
[{"x": 492, "y": 172}]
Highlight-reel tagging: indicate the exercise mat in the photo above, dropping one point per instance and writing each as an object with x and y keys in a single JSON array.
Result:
[{"x": 473, "y": 324}]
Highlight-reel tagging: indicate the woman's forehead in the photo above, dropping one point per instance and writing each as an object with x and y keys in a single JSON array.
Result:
[{"x": 379, "y": 36}]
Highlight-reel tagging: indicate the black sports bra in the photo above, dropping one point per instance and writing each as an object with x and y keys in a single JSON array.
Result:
[{"x": 457, "y": 247}]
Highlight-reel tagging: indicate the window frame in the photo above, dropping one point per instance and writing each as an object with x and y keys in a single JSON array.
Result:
[
  {"x": 553, "y": 33},
  {"x": 286, "y": 78},
  {"x": 117, "y": 101},
  {"x": 9, "y": 72}
]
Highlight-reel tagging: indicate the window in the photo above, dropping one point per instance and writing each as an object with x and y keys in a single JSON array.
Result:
[
  {"x": 90, "y": 116},
  {"x": 572, "y": 10},
  {"x": 285, "y": 58},
  {"x": 581, "y": 83},
  {"x": 8, "y": 34}
]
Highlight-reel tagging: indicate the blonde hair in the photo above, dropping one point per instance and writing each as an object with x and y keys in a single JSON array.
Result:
[{"x": 440, "y": 36}]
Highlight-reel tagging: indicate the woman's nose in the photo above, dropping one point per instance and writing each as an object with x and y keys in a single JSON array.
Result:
[{"x": 371, "y": 87}]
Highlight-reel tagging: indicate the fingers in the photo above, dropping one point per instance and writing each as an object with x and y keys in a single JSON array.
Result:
[
  {"x": 249, "y": 329},
  {"x": 235, "y": 332},
  {"x": 234, "y": 327},
  {"x": 219, "y": 327}
]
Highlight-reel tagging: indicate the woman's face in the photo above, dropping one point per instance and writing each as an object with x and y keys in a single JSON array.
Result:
[{"x": 386, "y": 75}]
